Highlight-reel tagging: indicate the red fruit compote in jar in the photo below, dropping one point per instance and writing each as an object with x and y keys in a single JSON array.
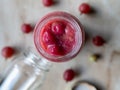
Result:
[{"x": 58, "y": 36}]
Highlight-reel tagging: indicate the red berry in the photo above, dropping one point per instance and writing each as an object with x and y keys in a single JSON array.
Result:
[
  {"x": 47, "y": 3},
  {"x": 58, "y": 28},
  {"x": 69, "y": 75},
  {"x": 48, "y": 38},
  {"x": 85, "y": 8},
  {"x": 53, "y": 49},
  {"x": 26, "y": 28},
  {"x": 7, "y": 52},
  {"x": 98, "y": 41}
]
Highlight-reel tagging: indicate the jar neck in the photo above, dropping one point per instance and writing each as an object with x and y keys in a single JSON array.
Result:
[{"x": 33, "y": 57}]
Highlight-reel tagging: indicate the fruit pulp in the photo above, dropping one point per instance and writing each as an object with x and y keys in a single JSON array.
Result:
[{"x": 57, "y": 37}]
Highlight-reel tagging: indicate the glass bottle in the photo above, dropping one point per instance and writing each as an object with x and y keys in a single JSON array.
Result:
[{"x": 25, "y": 73}]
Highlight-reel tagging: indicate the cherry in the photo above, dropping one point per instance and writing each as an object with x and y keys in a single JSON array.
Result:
[
  {"x": 67, "y": 45},
  {"x": 48, "y": 38},
  {"x": 53, "y": 49},
  {"x": 69, "y": 75},
  {"x": 7, "y": 52},
  {"x": 26, "y": 28},
  {"x": 47, "y": 3},
  {"x": 84, "y": 8},
  {"x": 58, "y": 28},
  {"x": 69, "y": 31},
  {"x": 98, "y": 41}
]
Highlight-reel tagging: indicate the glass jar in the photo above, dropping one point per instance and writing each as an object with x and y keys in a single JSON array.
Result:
[
  {"x": 75, "y": 24},
  {"x": 25, "y": 73}
]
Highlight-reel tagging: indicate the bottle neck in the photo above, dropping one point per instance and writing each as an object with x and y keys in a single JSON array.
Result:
[{"x": 33, "y": 57}]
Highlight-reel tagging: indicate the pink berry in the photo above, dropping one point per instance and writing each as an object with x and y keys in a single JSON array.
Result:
[
  {"x": 58, "y": 28},
  {"x": 69, "y": 75},
  {"x": 7, "y": 52},
  {"x": 84, "y": 8},
  {"x": 47, "y": 3},
  {"x": 98, "y": 41},
  {"x": 48, "y": 38},
  {"x": 53, "y": 49},
  {"x": 69, "y": 31},
  {"x": 26, "y": 28}
]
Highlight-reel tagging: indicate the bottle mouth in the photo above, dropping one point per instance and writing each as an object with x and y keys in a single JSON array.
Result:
[
  {"x": 79, "y": 35},
  {"x": 39, "y": 62}
]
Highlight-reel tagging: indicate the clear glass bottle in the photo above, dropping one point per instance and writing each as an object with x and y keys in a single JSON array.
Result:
[{"x": 25, "y": 73}]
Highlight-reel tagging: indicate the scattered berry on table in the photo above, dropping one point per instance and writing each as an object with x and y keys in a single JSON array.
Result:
[
  {"x": 98, "y": 41},
  {"x": 85, "y": 8},
  {"x": 26, "y": 28},
  {"x": 7, "y": 52},
  {"x": 69, "y": 75},
  {"x": 47, "y": 3}
]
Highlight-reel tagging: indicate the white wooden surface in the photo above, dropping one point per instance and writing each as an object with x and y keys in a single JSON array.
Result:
[{"x": 105, "y": 22}]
